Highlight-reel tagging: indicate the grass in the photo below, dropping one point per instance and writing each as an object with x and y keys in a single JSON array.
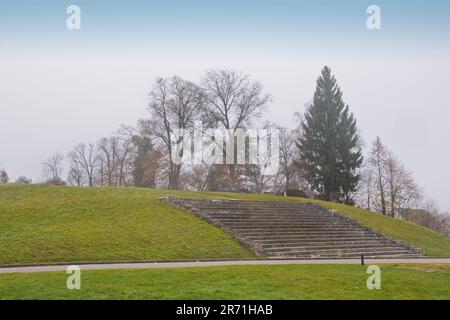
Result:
[
  {"x": 236, "y": 282},
  {"x": 41, "y": 224},
  {"x": 61, "y": 224}
]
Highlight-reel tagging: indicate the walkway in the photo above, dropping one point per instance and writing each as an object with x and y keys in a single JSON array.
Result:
[{"x": 188, "y": 264}]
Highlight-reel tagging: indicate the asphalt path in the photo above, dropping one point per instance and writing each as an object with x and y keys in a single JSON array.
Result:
[{"x": 191, "y": 264}]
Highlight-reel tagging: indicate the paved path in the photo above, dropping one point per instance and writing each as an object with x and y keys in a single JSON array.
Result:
[{"x": 186, "y": 264}]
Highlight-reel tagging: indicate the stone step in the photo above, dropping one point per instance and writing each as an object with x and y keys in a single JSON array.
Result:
[
  {"x": 306, "y": 239},
  {"x": 295, "y": 230},
  {"x": 348, "y": 256},
  {"x": 318, "y": 241},
  {"x": 299, "y": 247},
  {"x": 268, "y": 212},
  {"x": 276, "y": 219},
  {"x": 256, "y": 204},
  {"x": 312, "y": 224},
  {"x": 256, "y": 223},
  {"x": 263, "y": 211},
  {"x": 283, "y": 225},
  {"x": 342, "y": 252},
  {"x": 282, "y": 231},
  {"x": 276, "y": 214},
  {"x": 310, "y": 244},
  {"x": 279, "y": 219}
]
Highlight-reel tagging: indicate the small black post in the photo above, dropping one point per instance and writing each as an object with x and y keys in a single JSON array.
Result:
[{"x": 362, "y": 259}]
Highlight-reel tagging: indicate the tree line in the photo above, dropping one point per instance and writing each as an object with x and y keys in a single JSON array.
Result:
[{"x": 321, "y": 157}]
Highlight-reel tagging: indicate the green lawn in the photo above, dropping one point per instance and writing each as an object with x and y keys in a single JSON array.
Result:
[
  {"x": 40, "y": 224},
  {"x": 61, "y": 224},
  {"x": 236, "y": 282}
]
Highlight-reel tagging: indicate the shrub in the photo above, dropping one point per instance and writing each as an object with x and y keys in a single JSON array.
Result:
[{"x": 296, "y": 193}]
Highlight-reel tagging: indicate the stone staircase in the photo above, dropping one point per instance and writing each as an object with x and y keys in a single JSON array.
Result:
[{"x": 295, "y": 230}]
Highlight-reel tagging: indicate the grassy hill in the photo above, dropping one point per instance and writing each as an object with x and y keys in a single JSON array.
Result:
[
  {"x": 62, "y": 224},
  {"x": 41, "y": 224}
]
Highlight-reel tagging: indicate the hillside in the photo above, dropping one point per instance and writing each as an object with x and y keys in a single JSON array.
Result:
[{"x": 40, "y": 224}]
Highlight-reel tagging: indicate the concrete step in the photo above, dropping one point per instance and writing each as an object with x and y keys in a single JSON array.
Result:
[
  {"x": 262, "y": 211},
  {"x": 277, "y": 219},
  {"x": 255, "y": 204},
  {"x": 300, "y": 247},
  {"x": 272, "y": 213},
  {"x": 336, "y": 224},
  {"x": 283, "y": 225},
  {"x": 306, "y": 239},
  {"x": 286, "y": 225},
  {"x": 348, "y": 256},
  {"x": 295, "y": 230},
  {"x": 341, "y": 252},
  {"x": 315, "y": 244}
]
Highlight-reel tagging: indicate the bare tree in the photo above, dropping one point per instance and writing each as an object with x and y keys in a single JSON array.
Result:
[
  {"x": 23, "y": 180},
  {"x": 75, "y": 175},
  {"x": 233, "y": 102},
  {"x": 264, "y": 174},
  {"x": 402, "y": 190},
  {"x": 287, "y": 155},
  {"x": 196, "y": 177},
  {"x": 174, "y": 105},
  {"x": 83, "y": 160},
  {"x": 114, "y": 155},
  {"x": 386, "y": 184},
  {"x": 258, "y": 179},
  {"x": 378, "y": 156},
  {"x": 125, "y": 159},
  {"x": 365, "y": 193},
  {"x": 52, "y": 168},
  {"x": 292, "y": 165},
  {"x": 427, "y": 215},
  {"x": 107, "y": 150}
]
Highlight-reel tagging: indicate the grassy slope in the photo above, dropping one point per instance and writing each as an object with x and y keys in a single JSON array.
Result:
[
  {"x": 61, "y": 224},
  {"x": 236, "y": 282}
]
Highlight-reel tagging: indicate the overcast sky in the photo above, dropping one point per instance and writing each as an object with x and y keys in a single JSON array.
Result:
[{"x": 61, "y": 87}]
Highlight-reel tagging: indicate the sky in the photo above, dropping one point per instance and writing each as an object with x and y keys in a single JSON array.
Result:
[{"x": 59, "y": 87}]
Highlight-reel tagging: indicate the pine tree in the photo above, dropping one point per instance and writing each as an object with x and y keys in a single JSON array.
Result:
[
  {"x": 3, "y": 177},
  {"x": 329, "y": 143},
  {"x": 144, "y": 148}
]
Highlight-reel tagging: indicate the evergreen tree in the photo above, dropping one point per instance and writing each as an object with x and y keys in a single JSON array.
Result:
[
  {"x": 329, "y": 143},
  {"x": 3, "y": 177},
  {"x": 144, "y": 148}
]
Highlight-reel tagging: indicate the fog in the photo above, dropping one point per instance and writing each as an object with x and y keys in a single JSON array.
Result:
[
  {"x": 57, "y": 90},
  {"x": 50, "y": 101}
]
